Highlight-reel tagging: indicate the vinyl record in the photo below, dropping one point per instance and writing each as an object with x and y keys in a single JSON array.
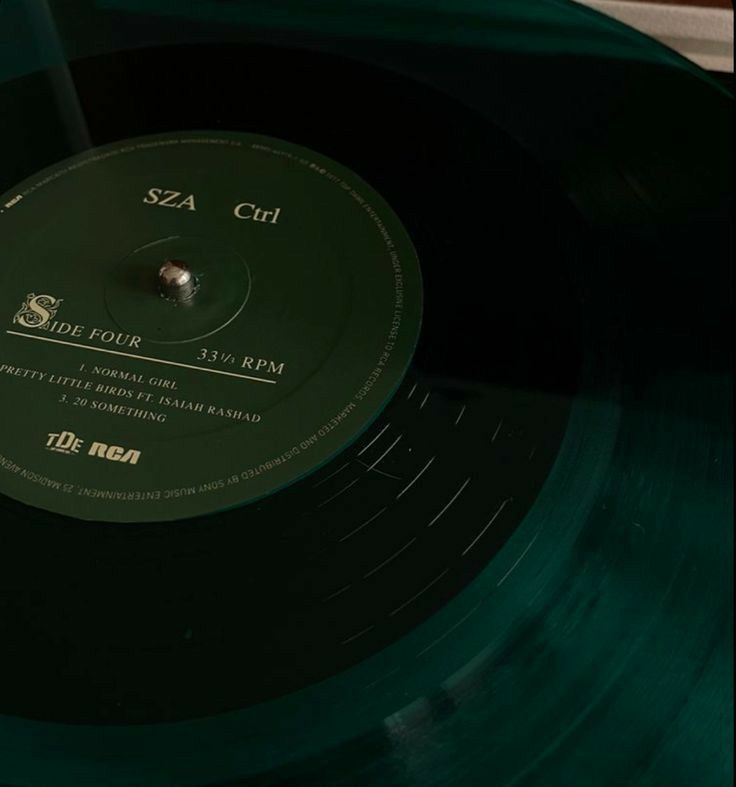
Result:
[{"x": 362, "y": 426}]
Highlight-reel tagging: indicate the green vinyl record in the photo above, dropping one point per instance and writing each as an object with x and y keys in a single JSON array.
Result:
[{"x": 509, "y": 562}]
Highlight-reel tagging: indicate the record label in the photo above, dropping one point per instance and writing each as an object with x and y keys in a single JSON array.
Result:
[{"x": 199, "y": 320}]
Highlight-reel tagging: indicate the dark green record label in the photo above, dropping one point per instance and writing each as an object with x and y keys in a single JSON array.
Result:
[{"x": 124, "y": 400}]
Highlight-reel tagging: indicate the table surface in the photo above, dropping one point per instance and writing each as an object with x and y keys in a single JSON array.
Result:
[
  {"x": 701, "y": 30},
  {"x": 701, "y": 3}
]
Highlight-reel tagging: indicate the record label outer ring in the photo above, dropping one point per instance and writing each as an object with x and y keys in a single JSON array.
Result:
[{"x": 124, "y": 405}]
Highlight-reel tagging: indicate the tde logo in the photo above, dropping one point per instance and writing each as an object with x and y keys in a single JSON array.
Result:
[
  {"x": 69, "y": 443},
  {"x": 64, "y": 442}
]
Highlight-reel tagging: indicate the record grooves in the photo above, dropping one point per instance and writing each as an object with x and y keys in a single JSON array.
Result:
[{"x": 343, "y": 563}]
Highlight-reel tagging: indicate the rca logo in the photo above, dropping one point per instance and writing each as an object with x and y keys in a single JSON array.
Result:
[
  {"x": 69, "y": 443},
  {"x": 114, "y": 453}
]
